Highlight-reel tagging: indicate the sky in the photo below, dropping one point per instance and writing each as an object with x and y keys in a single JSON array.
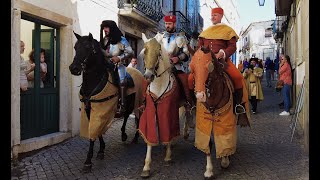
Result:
[{"x": 250, "y": 11}]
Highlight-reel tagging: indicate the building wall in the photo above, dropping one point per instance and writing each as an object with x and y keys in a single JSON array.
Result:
[
  {"x": 59, "y": 14},
  {"x": 257, "y": 43},
  {"x": 296, "y": 45}
]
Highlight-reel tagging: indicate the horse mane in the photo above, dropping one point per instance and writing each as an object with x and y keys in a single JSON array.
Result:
[{"x": 97, "y": 68}]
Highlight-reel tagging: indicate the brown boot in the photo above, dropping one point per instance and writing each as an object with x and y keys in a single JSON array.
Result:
[{"x": 240, "y": 109}]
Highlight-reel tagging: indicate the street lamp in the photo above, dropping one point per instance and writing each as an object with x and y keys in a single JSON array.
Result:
[{"x": 261, "y": 2}]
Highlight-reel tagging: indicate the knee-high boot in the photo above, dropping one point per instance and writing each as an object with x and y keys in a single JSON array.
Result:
[{"x": 240, "y": 109}]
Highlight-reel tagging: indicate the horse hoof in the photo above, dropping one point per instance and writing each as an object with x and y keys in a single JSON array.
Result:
[
  {"x": 209, "y": 178},
  {"x": 168, "y": 162},
  {"x": 225, "y": 162},
  {"x": 100, "y": 155},
  {"x": 134, "y": 141},
  {"x": 145, "y": 174},
  {"x": 124, "y": 137},
  {"x": 86, "y": 168}
]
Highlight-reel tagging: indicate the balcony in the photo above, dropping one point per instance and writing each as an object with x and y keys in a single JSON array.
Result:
[
  {"x": 146, "y": 11},
  {"x": 183, "y": 23},
  {"x": 279, "y": 27},
  {"x": 283, "y": 7}
]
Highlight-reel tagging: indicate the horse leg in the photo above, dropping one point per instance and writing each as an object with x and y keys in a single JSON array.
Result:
[
  {"x": 185, "y": 130},
  {"x": 88, "y": 164},
  {"x": 168, "y": 153},
  {"x": 136, "y": 135},
  {"x": 146, "y": 169},
  {"x": 209, "y": 168},
  {"x": 123, "y": 128},
  {"x": 225, "y": 162},
  {"x": 100, "y": 154}
]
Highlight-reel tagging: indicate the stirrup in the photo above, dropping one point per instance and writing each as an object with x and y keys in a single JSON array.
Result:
[{"x": 242, "y": 109}]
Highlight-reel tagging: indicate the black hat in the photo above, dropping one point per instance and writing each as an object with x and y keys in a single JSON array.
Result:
[{"x": 115, "y": 33}]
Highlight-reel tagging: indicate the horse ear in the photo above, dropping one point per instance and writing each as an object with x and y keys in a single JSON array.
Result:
[
  {"x": 77, "y": 35},
  {"x": 141, "y": 54},
  {"x": 90, "y": 36},
  {"x": 144, "y": 38}
]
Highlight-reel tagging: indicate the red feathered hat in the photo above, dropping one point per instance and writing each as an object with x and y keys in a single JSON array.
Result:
[
  {"x": 170, "y": 18},
  {"x": 217, "y": 10}
]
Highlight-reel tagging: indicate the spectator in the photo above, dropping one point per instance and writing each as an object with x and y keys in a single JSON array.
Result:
[
  {"x": 285, "y": 73},
  {"x": 252, "y": 75},
  {"x": 245, "y": 64},
  {"x": 23, "y": 69},
  {"x": 43, "y": 68},
  {"x": 133, "y": 63},
  {"x": 240, "y": 66},
  {"x": 272, "y": 70},
  {"x": 267, "y": 66}
]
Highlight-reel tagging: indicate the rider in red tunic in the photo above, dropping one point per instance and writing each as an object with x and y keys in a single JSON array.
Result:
[{"x": 221, "y": 40}]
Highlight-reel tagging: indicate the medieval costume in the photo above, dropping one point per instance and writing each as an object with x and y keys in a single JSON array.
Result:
[
  {"x": 252, "y": 76},
  {"x": 176, "y": 45},
  {"x": 113, "y": 45},
  {"x": 222, "y": 38}
]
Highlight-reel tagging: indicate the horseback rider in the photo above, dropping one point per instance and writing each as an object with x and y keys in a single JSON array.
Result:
[
  {"x": 221, "y": 40},
  {"x": 178, "y": 56},
  {"x": 117, "y": 48}
]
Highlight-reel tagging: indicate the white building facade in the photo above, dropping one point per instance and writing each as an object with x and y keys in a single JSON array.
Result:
[{"x": 257, "y": 40}]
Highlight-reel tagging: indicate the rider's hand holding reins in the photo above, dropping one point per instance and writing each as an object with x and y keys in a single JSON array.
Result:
[{"x": 174, "y": 60}]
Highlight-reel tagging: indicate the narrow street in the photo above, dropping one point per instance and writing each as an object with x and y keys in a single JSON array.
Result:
[{"x": 263, "y": 152}]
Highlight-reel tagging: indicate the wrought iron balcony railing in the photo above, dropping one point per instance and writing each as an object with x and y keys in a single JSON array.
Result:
[
  {"x": 151, "y": 8},
  {"x": 183, "y": 23}
]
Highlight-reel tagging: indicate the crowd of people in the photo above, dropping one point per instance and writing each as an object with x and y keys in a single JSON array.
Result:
[{"x": 277, "y": 69}]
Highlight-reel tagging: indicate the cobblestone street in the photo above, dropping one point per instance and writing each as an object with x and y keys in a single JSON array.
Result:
[{"x": 263, "y": 152}]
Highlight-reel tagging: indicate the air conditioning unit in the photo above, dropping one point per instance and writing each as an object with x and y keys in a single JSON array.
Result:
[{"x": 293, "y": 9}]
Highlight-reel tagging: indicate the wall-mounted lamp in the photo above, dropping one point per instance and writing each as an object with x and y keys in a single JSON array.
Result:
[{"x": 261, "y": 2}]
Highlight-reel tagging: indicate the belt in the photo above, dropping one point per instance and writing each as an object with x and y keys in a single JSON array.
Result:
[{"x": 252, "y": 82}]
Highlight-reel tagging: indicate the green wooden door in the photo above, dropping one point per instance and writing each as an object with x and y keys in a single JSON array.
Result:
[{"x": 40, "y": 105}]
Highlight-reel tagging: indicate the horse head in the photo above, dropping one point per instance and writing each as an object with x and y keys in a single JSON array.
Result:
[
  {"x": 206, "y": 69},
  {"x": 153, "y": 56},
  {"x": 86, "y": 47}
]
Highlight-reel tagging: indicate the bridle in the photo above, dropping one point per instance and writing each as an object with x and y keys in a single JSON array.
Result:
[{"x": 84, "y": 62}]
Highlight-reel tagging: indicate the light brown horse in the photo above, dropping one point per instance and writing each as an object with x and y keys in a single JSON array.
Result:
[
  {"x": 213, "y": 89},
  {"x": 159, "y": 123}
]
